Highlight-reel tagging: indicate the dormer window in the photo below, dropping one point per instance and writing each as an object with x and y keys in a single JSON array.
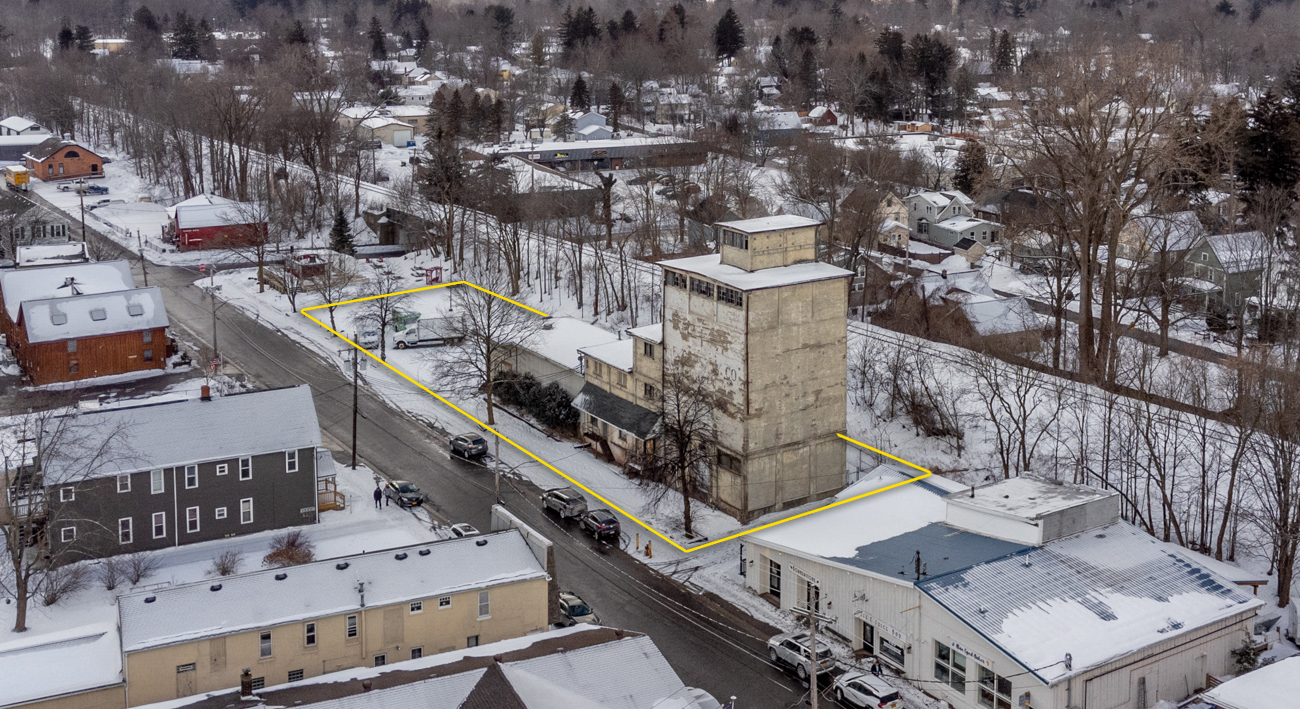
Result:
[
  {"x": 58, "y": 318},
  {"x": 135, "y": 310},
  {"x": 98, "y": 314}
]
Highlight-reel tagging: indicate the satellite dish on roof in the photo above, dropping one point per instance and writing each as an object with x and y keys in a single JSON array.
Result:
[{"x": 71, "y": 284}]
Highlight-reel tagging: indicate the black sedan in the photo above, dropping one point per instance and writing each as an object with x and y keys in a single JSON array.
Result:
[{"x": 601, "y": 524}]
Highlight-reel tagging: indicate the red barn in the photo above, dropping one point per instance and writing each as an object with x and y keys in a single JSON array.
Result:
[
  {"x": 208, "y": 222},
  {"x": 66, "y": 323}
]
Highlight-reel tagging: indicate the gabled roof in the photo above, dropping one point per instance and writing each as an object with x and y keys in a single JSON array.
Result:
[
  {"x": 129, "y": 439},
  {"x": 58, "y": 319},
  {"x": 1269, "y": 687},
  {"x": 1178, "y": 231},
  {"x": 51, "y": 146},
  {"x": 91, "y": 649},
  {"x": 1002, "y": 316},
  {"x": 561, "y": 338},
  {"x": 257, "y": 600},
  {"x": 18, "y": 123},
  {"x": 617, "y": 411},
  {"x": 1098, "y": 596},
  {"x": 1240, "y": 252},
  {"x": 650, "y": 333},
  {"x": 53, "y": 282},
  {"x": 616, "y": 353},
  {"x": 227, "y": 213}
]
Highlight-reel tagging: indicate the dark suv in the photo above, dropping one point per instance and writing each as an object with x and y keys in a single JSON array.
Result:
[
  {"x": 468, "y": 445},
  {"x": 601, "y": 524},
  {"x": 564, "y": 501},
  {"x": 404, "y": 493}
]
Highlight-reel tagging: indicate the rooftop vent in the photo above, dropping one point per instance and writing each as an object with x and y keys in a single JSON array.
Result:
[
  {"x": 342, "y": 565},
  {"x": 425, "y": 552},
  {"x": 281, "y": 577},
  {"x": 98, "y": 314},
  {"x": 401, "y": 556},
  {"x": 481, "y": 543},
  {"x": 135, "y": 310},
  {"x": 150, "y": 599},
  {"x": 214, "y": 587}
]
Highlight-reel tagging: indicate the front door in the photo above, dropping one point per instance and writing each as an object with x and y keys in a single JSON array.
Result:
[{"x": 186, "y": 680}]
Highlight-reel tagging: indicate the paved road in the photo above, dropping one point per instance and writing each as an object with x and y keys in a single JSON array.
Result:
[{"x": 710, "y": 643}]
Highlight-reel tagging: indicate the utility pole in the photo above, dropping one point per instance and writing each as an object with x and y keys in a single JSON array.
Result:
[
  {"x": 212, "y": 296},
  {"x": 81, "y": 192},
  {"x": 496, "y": 466},
  {"x": 814, "y": 600},
  {"x": 354, "y": 405},
  {"x": 143, "y": 268}
]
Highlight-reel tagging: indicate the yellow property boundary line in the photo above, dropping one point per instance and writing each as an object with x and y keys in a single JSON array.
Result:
[{"x": 561, "y": 473}]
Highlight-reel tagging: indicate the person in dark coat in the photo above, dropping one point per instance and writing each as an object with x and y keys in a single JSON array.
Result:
[{"x": 379, "y": 495}]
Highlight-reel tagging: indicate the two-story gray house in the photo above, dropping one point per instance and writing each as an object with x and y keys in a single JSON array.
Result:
[{"x": 160, "y": 475}]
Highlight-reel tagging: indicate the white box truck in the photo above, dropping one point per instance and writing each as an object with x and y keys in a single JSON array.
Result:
[{"x": 430, "y": 332}]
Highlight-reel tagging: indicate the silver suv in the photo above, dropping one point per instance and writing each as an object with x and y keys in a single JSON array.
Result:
[
  {"x": 792, "y": 649},
  {"x": 468, "y": 445},
  {"x": 564, "y": 501}
]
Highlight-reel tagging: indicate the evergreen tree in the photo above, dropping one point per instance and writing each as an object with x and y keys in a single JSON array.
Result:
[
  {"x": 972, "y": 167},
  {"x": 580, "y": 97},
  {"x": 144, "y": 33},
  {"x": 729, "y": 35},
  {"x": 341, "y": 234},
  {"x": 892, "y": 46},
  {"x": 85, "y": 39},
  {"x": 475, "y": 120},
  {"x": 1271, "y": 148},
  {"x": 185, "y": 37},
  {"x": 66, "y": 38},
  {"x": 629, "y": 24},
  {"x": 297, "y": 35},
  {"x": 1005, "y": 59},
  {"x": 378, "y": 43},
  {"x": 930, "y": 60},
  {"x": 617, "y": 104},
  {"x": 421, "y": 37},
  {"x": 497, "y": 120},
  {"x": 579, "y": 29},
  {"x": 1225, "y": 8},
  {"x": 455, "y": 121},
  {"x": 350, "y": 19},
  {"x": 207, "y": 42},
  {"x": 564, "y": 126}
]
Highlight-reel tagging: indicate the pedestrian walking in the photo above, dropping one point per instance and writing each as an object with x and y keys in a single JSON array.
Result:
[
  {"x": 875, "y": 667},
  {"x": 379, "y": 495}
]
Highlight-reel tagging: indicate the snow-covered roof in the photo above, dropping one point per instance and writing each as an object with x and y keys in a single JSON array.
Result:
[
  {"x": 129, "y": 439},
  {"x": 382, "y": 122},
  {"x": 1240, "y": 252},
  {"x": 711, "y": 266},
  {"x": 650, "y": 333},
  {"x": 89, "y": 654},
  {"x": 1269, "y": 687},
  {"x": 199, "y": 216},
  {"x": 931, "y": 284},
  {"x": 1171, "y": 232},
  {"x": 57, "y": 319},
  {"x": 18, "y": 124},
  {"x": 780, "y": 120},
  {"x": 1097, "y": 596},
  {"x": 52, "y": 254},
  {"x": 1002, "y": 316},
  {"x": 818, "y": 111},
  {"x": 773, "y": 223},
  {"x": 560, "y": 339},
  {"x": 318, "y": 589},
  {"x": 626, "y": 674},
  {"x": 961, "y": 223},
  {"x": 21, "y": 285},
  {"x": 199, "y": 200},
  {"x": 839, "y": 532},
  {"x": 617, "y": 354},
  {"x": 1029, "y": 498},
  {"x": 942, "y": 199},
  {"x": 590, "y": 130}
]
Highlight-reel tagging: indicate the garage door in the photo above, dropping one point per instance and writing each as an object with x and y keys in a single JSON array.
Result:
[{"x": 401, "y": 138}]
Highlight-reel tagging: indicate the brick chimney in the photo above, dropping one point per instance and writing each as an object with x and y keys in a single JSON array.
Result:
[{"x": 205, "y": 393}]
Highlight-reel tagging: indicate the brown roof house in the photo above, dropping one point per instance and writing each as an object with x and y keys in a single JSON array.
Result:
[{"x": 57, "y": 159}]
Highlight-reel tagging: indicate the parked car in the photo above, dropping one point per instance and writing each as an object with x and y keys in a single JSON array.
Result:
[
  {"x": 600, "y": 524},
  {"x": 95, "y": 189},
  {"x": 859, "y": 689},
  {"x": 574, "y": 610},
  {"x": 791, "y": 649},
  {"x": 463, "y": 530},
  {"x": 404, "y": 493},
  {"x": 564, "y": 501},
  {"x": 368, "y": 339},
  {"x": 468, "y": 445}
]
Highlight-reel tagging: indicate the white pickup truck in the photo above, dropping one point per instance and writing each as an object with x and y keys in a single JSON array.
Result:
[{"x": 430, "y": 332}]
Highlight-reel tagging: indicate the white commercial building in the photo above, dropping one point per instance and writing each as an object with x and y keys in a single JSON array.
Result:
[{"x": 1022, "y": 593}]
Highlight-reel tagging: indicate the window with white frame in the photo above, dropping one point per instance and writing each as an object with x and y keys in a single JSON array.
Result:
[
  {"x": 245, "y": 468},
  {"x": 309, "y": 635},
  {"x": 124, "y": 483},
  {"x": 484, "y": 605},
  {"x": 221, "y": 513},
  {"x": 417, "y": 607},
  {"x": 67, "y": 494},
  {"x": 352, "y": 626},
  {"x": 444, "y": 602},
  {"x": 246, "y": 511},
  {"x": 291, "y": 461},
  {"x": 223, "y": 468},
  {"x": 950, "y": 666},
  {"x": 125, "y": 534},
  {"x": 191, "y": 519},
  {"x": 68, "y": 534},
  {"x": 191, "y": 477},
  {"x": 159, "y": 525},
  {"x": 264, "y": 644},
  {"x": 157, "y": 484}
]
